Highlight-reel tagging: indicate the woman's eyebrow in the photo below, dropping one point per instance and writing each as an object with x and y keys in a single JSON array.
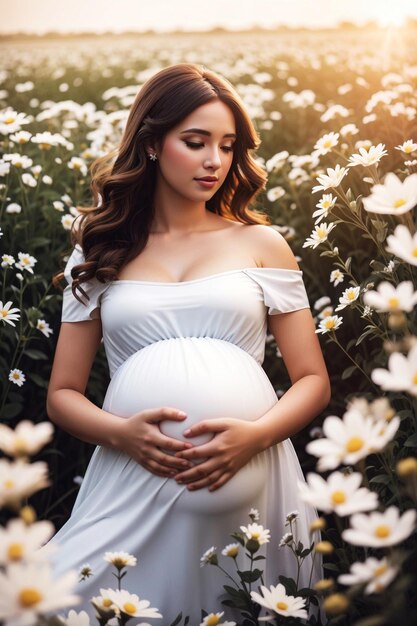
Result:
[{"x": 200, "y": 131}]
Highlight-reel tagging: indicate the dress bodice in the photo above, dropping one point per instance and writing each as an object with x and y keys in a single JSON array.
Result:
[{"x": 230, "y": 306}]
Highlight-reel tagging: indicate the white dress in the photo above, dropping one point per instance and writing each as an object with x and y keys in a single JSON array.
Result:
[{"x": 197, "y": 346}]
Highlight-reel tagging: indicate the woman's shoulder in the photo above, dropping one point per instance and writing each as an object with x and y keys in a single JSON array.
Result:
[{"x": 269, "y": 246}]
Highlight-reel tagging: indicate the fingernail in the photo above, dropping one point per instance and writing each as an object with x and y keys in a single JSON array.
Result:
[
  {"x": 182, "y": 414},
  {"x": 187, "y": 432}
]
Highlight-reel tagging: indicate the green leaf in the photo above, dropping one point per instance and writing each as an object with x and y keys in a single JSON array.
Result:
[
  {"x": 347, "y": 373},
  {"x": 411, "y": 441},
  {"x": 38, "y": 380},
  {"x": 250, "y": 577},
  {"x": 289, "y": 584},
  {"x": 36, "y": 355},
  {"x": 11, "y": 410},
  {"x": 381, "y": 478}
]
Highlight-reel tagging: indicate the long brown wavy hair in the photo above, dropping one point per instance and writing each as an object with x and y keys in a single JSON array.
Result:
[{"x": 116, "y": 228}]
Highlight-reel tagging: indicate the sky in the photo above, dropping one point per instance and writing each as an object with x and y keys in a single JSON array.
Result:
[{"x": 39, "y": 16}]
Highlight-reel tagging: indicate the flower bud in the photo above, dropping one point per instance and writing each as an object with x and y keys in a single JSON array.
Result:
[
  {"x": 324, "y": 547},
  {"x": 324, "y": 584},
  {"x": 318, "y": 524},
  {"x": 335, "y": 604},
  {"x": 28, "y": 514},
  {"x": 407, "y": 467}
]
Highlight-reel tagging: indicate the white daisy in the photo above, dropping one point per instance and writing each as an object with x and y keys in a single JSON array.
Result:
[
  {"x": 11, "y": 121},
  {"x": 21, "y": 480},
  {"x": 26, "y": 261},
  {"x": 321, "y": 302},
  {"x": 257, "y": 533},
  {"x": 348, "y": 297},
  {"x": 78, "y": 164},
  {"x": 44, "y": 327},
  {"x": 209, "y": 556},
  {"x": 7, "y": 260},
  {"x": 131, "y": 604},
  {"x": 21, "y": 137},
  {"x": 349, "y": 129},
  {"x": 13, "y": 207},
  {"x": 325, "y": 205},
  {"x": 326, "y": 143},
  {"x": 403, "y": 244},
  {"x": 349, "y": 439},
  {"x": 286, "y": 540},
  {"x": 213, "y": 619},
  {"x": 231, "y": 550},
  {"x": 401, "y": 374},
  {"x": 120, "y": 559},
  {"x": 378, "y": 573},
  {"x": 254, "y": 515},
  {"x": 329, "y": 323},
  {"x": 379, "y": 530},
  {"x": 319, "y": 235},
  {"x": 67, "y": 221},
  {"x": 389, "y": 297},
  {"x": 340, "y": 493},
  {"x": 75, "y": 619},
  {"x": 275, "y": 193},
  {"x": 368, "y": 156},
  {"x": 7, "y": 314},
  {"x": 29, "y": 180},
  {"x": 275, "y": 599},
  {"x": 21, "y": 161},
  {"x": 17, "y": 377},
  {"x": 20, "y": 542},
  {"x": 393, "y": 197},
  {"x": 407, "y": 147},
  {"x": 332, "y": 179},
  {"x": 336, "y": 277},
  {"x": 26, "y": 438},
  {"x": 58, "y": 205},
  {"x": 326, "y": 312},
  {"x": 29, "y": 590}
]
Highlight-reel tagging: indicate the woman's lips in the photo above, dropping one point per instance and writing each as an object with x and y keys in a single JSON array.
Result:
[{"x": 207, "y": 184}]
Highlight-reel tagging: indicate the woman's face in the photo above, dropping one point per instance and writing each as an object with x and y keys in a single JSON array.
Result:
[{"x": 201, "y": 146}]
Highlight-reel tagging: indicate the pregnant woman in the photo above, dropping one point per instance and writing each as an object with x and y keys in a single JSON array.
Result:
[{"x": 181, "y": 279}]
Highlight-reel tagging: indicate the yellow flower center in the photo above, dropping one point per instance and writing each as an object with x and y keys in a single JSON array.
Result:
[
  {"x": 282, "y": 606},
  {"x": 325, "y": 204},
  {"x": 329, "y": 323},
  {"x": 327, "y": 143},
  {"x": 212, "y": 620},
  {"x": 393, "y": 303},
  {"x": 321, "y": 232},
  {"x": 45, "y": 146},
  {"x": 338, "y": 497},
  {"x": 232, "y": 551},
  {"x": 8, "y": 483},
  {"x": 415, "y": 379},
  {"x": 129, "y": 607},
  {"x": 15, "y": 551},
  {"x": 17, "y": 163},
  {"x": 20, "y": 444},
  {"x": 408, "y": 149},
  {"x": 25, "y": 261},
  {"x": 77, "y": 166},
  {"x": 382, "y": 531},
  {"x": 255, "y": 535},
  {"x": 414, "y": 252},
  {"x": 107, "y": 602},
  {"x": 9, "y": 120},
  {"x": 351, "y": 295},
  {"x": 380, "y": 570},
  {"x": 29, "y": 597},
  {"x": 16, "y": 375},
  {"x": 354, "y": 444},
  {"x": 4, "y": 313},
  {"x": 398, "y": 203}
]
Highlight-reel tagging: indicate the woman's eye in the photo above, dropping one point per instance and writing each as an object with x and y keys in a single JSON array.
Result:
[{"x": 194, "y": 145}]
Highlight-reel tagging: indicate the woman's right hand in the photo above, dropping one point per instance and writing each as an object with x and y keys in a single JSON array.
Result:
[{"x": 141, "y": 438}]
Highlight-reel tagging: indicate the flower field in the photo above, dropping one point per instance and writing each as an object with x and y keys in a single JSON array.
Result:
[{"x": 337, "y": 115}]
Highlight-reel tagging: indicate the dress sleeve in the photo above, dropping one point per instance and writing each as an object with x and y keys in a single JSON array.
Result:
[
  {"x": 283, "y": 289},
  {"x": 72, "y": 309}
]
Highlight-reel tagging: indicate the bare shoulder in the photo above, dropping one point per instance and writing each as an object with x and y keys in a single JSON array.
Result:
[{"x": 269, "y": 247}]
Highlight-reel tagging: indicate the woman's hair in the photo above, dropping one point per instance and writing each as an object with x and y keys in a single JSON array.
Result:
[{"x": 116, "y": 228}]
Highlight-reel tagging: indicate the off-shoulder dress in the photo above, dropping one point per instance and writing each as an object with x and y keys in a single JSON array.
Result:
[{"x": 198, "y": 346}]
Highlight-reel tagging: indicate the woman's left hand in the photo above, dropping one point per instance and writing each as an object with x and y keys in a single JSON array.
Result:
[{"x": 234, "y": 443}]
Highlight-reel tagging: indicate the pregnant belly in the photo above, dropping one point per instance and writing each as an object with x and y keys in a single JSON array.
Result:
[{"x": 207, "y": 378}]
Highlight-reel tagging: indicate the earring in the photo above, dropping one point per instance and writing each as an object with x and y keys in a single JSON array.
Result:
[{"x": 153, "y": 156}]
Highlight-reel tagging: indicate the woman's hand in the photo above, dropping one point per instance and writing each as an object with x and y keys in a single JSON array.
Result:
[
  {"x": 140, "y": 438},
  {"x": 234, "y": 443}
]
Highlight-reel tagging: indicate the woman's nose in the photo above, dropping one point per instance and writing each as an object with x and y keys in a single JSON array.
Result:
[{"x": 213, "y": 161}]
